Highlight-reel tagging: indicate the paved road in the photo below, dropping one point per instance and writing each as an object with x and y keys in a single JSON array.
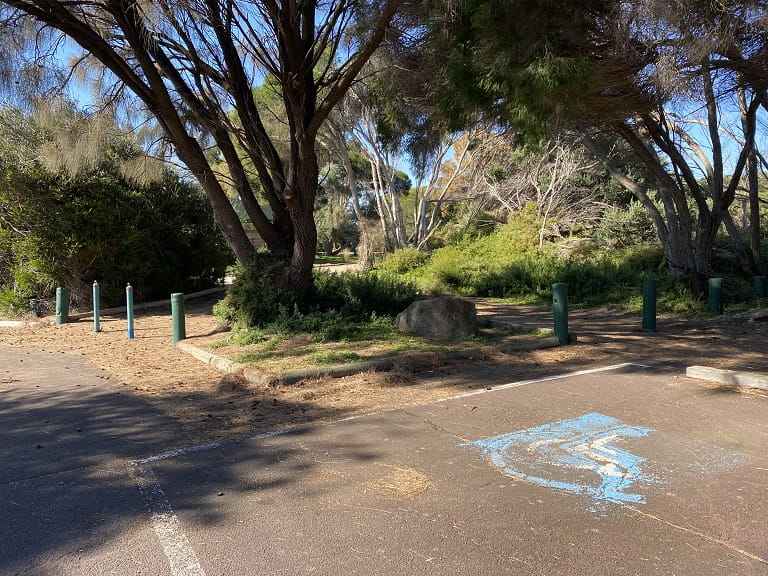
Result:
[
  {"x": 413, "y": 492},
  {"x": 625, "y": 471},
  {"x": 69, "y": 503}
]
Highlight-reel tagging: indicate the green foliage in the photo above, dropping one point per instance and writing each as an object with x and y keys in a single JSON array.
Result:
[
  {"x": 70, "y": 231},
  {"x": 518, "y": 62},
  {"x": 465, "y": 265},
  {"x": 361, "y": 294},
  {"x": 604, "y": 279},
  {"x": 255, "y": 298},
  {"x": 340, "y": 306},
  {"x": 621, "y": 227},
  {"x": 11, "y": 303},
  {"x": 509, "y": 264},
  {"x": 85, "y": 221},
  {"x": 403, "y": 261}
]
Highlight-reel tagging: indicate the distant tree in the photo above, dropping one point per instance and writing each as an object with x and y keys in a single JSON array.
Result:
[{"x": 636, "y": 69}]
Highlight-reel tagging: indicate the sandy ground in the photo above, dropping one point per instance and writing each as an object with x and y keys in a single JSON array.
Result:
[{"x": 213, "y": 406}]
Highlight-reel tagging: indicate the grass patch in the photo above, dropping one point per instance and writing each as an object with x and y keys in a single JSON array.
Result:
[
  {"x": 331, "y": 357},
  {"x": 373, "y": 340}
]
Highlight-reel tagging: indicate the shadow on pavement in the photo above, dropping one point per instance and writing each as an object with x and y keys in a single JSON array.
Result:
[{"x": 69, "y": 498}]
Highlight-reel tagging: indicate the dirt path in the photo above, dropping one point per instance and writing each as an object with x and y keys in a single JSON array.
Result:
[{"x": 212, "y": 406}]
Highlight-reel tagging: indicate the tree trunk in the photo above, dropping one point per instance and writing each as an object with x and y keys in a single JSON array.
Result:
[
  {"x": 754, "y": 217},
  {"x": 734, "y": 233},
  {"x": 303, "y": 257},
  {"x": 753, "y": 192},
  {"x": 223, "y": 213},
  {"x": 301, "y": 188}
]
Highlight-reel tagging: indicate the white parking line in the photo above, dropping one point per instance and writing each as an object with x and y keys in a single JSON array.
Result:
[
  {"x": 176, "y": 546},
  {"x": 165, "y": 523},
  {"x": 216, "y": 445}
]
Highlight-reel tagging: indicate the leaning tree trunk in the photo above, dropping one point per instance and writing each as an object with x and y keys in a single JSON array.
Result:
[
  {"x": 224, "y": 214},
  {"x": 753, "y": 191}
]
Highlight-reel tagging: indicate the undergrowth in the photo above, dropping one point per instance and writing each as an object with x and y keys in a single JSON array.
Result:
[{"x": 349, "y": 306}]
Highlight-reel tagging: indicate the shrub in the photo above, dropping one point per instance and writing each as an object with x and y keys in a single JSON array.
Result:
[
  {"x": 402, "y": 261},
  {"x": 626, "y": 226},
  {"x": 338, "y": 307},
  {"x": 360, "y": 294},
  {"x": 161, "y": 237},
  {"x": 255, "y": 298}
]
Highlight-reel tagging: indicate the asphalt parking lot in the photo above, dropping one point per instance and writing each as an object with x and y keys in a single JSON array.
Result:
[
  {"x": 631, "y": 470},
  {"x": 624, "y": 470}
]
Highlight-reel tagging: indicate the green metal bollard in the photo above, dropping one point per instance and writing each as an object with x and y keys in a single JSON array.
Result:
[
  {"x": 177, "y": 317},
  {"x": 716, "y": 295},
  {"x": 62, "y": 305},
  {"x": 649, "y": 304},
  {"x": 129, "y": 309},
  {"x": 560, "y": 305},
  {"x": 96, "y": 324},
  {"x": 761, "y": 286}
]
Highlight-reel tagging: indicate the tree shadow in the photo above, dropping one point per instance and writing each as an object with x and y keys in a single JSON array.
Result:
[{"x": 68, "y": 489}]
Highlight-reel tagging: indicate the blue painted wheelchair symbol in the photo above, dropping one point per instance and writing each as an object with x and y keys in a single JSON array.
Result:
[{"x": 579, "y": 455}]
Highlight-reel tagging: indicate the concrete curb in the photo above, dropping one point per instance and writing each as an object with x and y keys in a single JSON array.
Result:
[
  {"x": 753, "y": 315},
  {"x": 263, "y": 378},
  {"x": 730, "y": 377},
  {"x": 218, "y": 362}
]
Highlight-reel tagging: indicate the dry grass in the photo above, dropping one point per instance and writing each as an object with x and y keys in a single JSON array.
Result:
[
  {"x": 210, "y": 405},
  {"x": 400, "y": 484}
]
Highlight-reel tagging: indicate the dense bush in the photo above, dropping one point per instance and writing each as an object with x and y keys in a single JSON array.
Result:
[
  {"x": 403, "y": 261},
  {"x": 510, "y": 264},
  {"x": 72, "y": 230},
  {"x": 626, "y": 226},
  {"x": 338, "y": 305},
  {"x": 361, "y": 294},
  {"x": 606, "y": 278},
  {"x": 255, "y": 298}
]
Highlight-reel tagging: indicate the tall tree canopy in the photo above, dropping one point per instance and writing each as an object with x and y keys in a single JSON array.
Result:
[
  {"x": 190, "y": 63},
  {"x": 661, "y": 75}
]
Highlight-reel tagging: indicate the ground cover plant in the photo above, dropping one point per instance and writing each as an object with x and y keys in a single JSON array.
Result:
[
  {"x": 349, "y": 317},
  {"x": 510, "y": 263}
]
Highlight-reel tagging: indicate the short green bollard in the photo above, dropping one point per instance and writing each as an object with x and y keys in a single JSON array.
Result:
[
  {"x": 716, "y": 295},
  {"x": 177, "y": 317},
  {"x": 96, "y": 323},
  {"x": 560, "y": 306},
  {"x": 62, "y": 305},
  {"x": 129, "y": 310},
  {"x": 761, "y": 286},
  {"x": 649, "y": 304}
]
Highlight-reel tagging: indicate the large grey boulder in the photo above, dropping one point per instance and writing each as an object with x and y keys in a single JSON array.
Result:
[{"x": 445, "y": 317}]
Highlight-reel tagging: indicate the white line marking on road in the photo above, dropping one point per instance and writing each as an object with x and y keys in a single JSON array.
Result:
[
  {"x": 167, "y": 527},
  {"x": 703, "y": 535},
  {"x": 216, "y": 445},
  {"x": 543, "y": 379},
  {"x": 165, "y": 523},
  {"x": 209, "y": 446}
]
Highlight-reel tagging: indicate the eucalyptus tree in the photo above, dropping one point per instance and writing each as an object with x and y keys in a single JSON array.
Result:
[
  {"x": 191, "y": 63},
  {"x": 693, "y": 134},
  {"x": 638, "y": 70}
]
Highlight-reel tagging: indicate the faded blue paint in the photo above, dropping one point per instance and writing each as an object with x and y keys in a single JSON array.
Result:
[{"x": 578, "y": 455}]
